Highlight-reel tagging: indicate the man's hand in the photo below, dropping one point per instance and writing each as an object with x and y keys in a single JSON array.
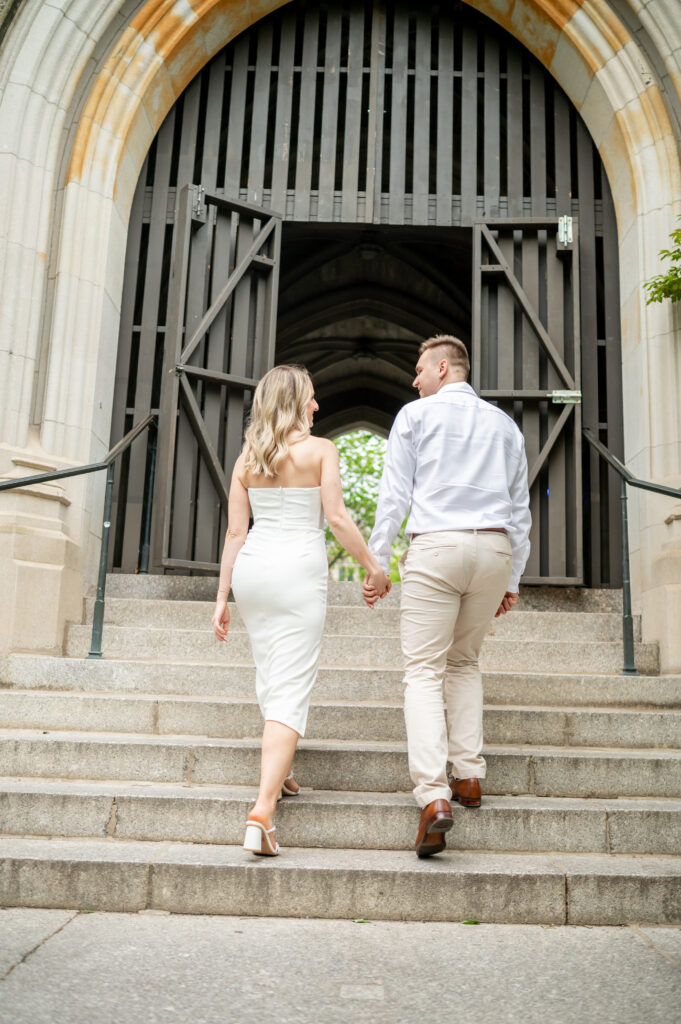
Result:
[
  {"x": 220, "y": 620},
  {"x": 370, "y": 593},
  {"x": 507, "y": 603}
]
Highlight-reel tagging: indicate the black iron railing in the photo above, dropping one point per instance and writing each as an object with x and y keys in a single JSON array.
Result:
[
  {"x": 629, "y": 668},
  {"x": 108, "y": 463}
]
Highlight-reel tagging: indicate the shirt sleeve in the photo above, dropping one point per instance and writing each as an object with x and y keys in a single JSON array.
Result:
[
  {"x": 521, "y": 520},
  {"x": 395, "y": 490}
]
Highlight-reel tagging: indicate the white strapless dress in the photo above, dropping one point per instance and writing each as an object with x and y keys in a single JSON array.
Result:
[{"x": 279, "y": 584}]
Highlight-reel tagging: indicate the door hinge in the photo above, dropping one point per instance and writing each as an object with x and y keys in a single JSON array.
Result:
[
  {"x": 565, "y": 231},
  {"x": 565, "y": 397}
]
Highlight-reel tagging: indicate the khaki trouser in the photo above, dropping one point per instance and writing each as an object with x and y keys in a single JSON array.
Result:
[{"x": 452, "y": 584}]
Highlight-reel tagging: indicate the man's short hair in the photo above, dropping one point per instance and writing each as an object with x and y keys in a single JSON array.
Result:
[{"x": 455, "y": 351}]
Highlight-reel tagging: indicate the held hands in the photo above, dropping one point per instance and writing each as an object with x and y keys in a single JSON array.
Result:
[
  {"x": 507, "y": 603},
  {"x": 220, "y": 620},
  {"x": 375, "y": 585}
]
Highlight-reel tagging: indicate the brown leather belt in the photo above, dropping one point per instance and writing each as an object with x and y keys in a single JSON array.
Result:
[{"x": 482, "y": 529}]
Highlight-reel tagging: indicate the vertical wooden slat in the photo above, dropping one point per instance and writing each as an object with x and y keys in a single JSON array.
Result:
[
  {"x": 505, "y": 310},
  {"x": 327, "y": 167},
  {"x": 514, "y": 132},
  {"x": 308, "y": 93},
  {"x": 282, "y": 122},
  {"x": 148, "y": 334},
  {"x": 445, "y": 100},
  {"x": 259, "y": 115},
  {"x": 163, "y": 487},
  {"x": 237, "y": 117},
  {"x": 469, "y": 125},
  {"x": 560, "y": 489},
  {"x": 239, "y": 348},
  {"x": 587, "y": 263},
  {"x": 476, "y": 326},
  {"x": 492, "y": 137},
  {"x": 613, "y": 354},
  {"x": 530, "y": 363},
  {"x": 372, "y": 213},
  {"x": 561, "y": 134},
  {"x": 190, "y": 128},
  {"x": 398, "y": 115},
  {"x": 421, "y": 145},
  {"x": 195, "y": 482},
  {"x": 572, "y": 316},
  {"x": 353, "y": 114},
  {"x": 538, "y": 140}
]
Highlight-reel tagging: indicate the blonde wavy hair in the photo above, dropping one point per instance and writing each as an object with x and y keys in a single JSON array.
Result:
[{"x": 279, "y": 408}]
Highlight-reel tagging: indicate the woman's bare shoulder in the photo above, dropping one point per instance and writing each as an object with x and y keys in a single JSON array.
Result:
[{"x": 323, "y": 445}]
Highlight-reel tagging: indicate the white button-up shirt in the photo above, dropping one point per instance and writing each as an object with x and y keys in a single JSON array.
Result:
[{"x": 461, "y": 464}]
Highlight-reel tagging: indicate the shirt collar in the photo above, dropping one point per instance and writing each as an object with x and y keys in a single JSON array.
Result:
[{"x": 461, "y": 385}]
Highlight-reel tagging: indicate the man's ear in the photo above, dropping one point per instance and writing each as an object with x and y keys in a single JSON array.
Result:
[{"x": 443, "y": 368}]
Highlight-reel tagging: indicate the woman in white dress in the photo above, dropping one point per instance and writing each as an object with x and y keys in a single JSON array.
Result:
[{"x": 278, "y": 571}]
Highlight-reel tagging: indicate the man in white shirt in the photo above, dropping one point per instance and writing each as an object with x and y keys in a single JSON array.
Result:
[{"x": 460, "y": 463}]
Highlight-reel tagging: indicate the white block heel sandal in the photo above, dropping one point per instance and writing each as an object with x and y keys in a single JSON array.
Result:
[
  {"x": 287, "y": 790},
  {"x": 259, "y": 839}
]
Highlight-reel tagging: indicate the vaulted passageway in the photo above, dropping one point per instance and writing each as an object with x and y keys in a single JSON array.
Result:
[{"x": 354, "y": 305}]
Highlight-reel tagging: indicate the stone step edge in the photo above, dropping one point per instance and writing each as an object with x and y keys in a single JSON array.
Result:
[
  {"x": 131, "y": 788},
  {"x": 78, "y": 630},
  {"x": 369, "y": 746},
  {"x": 203, "y": 663},
  {"x": 180, "y": 698},
  {"x": 129, "y": 875}
]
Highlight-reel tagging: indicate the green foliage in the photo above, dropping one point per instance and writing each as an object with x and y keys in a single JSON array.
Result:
[
  {"x": 667, "y": 286},
  {"x": 361, "y": 464}
]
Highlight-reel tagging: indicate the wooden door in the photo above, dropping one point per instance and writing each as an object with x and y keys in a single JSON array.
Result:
[
  {"x": 220, "y": 341},
  {"x": 526, "y": 359}
]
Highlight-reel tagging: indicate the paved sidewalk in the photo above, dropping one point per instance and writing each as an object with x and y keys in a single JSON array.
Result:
[{"x": 64, "y": 967}]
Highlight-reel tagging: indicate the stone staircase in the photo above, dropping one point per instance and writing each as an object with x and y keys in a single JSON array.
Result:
[{"x": 125, "y": 782}]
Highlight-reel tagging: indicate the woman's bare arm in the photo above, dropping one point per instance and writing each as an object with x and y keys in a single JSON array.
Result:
[{"x": 238, "y": 514}]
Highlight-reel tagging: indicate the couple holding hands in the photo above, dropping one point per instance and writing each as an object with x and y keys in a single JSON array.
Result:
[{"x": 457, "y": 465}]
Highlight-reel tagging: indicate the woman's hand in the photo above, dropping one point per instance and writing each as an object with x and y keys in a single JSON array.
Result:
[
  {"x": 220, "y": 620},
  {"x": 380, "y": 582}
]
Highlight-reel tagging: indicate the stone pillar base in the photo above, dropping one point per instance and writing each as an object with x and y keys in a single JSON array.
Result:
[
  {"x": 42, "y": 584},
  {"x": 662, "y": 602}
]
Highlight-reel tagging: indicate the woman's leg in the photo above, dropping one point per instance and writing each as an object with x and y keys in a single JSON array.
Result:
[{"x": 278, "y": 747}]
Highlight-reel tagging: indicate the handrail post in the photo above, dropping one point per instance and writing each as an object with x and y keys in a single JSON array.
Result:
[
  {"x": 98, "y": 617},
  {"x": 629, "y": 668},
  {"x": 143, "y": 567}
]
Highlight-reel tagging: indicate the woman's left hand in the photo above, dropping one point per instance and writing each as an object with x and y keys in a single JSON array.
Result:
[{"x": 220, "y": 620}]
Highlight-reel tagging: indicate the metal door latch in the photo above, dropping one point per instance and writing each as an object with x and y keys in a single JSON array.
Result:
[
  {"x": 565, "y": 397},
  {"x": 565, "y": 231},
  {"x": 198, "y": 204}
]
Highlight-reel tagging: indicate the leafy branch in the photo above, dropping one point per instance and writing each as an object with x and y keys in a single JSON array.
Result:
[
  {"x": 667, "y": 286},
  {"x": 362, "y": 455}
]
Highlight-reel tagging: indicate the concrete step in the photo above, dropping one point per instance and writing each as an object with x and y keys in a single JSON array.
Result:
[
  {"x": 197, "y": 588},
  {"x": 340, "y": 619},
  {"x": 110, "y": 874},
  {"x": 217, "y": 679},
  {"x": 350, "y": 650},
  {"x": 336, "y": 765},
  {"x": 366, "y": 721},
  {"x": 366, "y": 821}
]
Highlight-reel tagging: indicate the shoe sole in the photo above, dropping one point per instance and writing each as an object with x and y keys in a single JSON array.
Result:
[{"x": 437, "y": 828}]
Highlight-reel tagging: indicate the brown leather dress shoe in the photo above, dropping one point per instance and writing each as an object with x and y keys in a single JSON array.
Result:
[
  {"x": 467, "y": 792},
  {"x": 436, "y": 819}
]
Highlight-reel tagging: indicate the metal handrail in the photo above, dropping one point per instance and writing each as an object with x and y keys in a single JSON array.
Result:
[
  {"x": 108, "y": 463},
  {"x": 629, "y": 668}
]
